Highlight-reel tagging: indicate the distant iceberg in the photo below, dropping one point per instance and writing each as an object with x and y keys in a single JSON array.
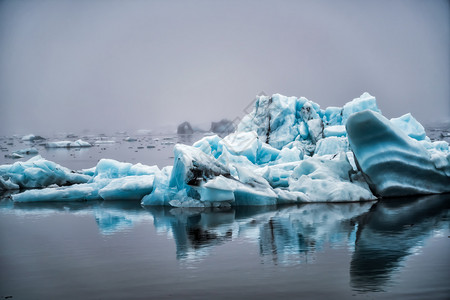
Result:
[
  {"x": 287, "y": 150},
  {"x": 68, "y": 144}
]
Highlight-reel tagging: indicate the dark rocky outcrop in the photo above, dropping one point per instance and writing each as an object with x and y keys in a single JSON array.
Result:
[
  {"x": 185, "y": 128},
  {"x": 223, "y": 127}
]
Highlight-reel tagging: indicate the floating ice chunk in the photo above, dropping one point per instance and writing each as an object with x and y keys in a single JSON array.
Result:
[
  {"x": 130, "y": 139},
  {"x": 31, "y": 138},
  {"x": 331, "y": 145},
  {"x": 365, "y": 101},
  {"x": 393, "y": 163},
  {"x": 67, "y": 144},
  {"x": 409, "y": 125},
  {"x": 336, "y": 130},
  {"x": 104, "y": 142},
  {"x": 27, "y": 151},
  {"x": 14, "y": 155},
  {"x": 328, "y": 180},
  {"x": 38, "y": 173},
  {"x": 130, "y": 188},
  {"x": 111, "y": 180},
  {"x": 28, "y": 137}
]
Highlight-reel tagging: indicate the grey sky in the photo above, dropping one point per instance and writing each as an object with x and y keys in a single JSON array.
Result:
[{"x": 117, "y": 65}]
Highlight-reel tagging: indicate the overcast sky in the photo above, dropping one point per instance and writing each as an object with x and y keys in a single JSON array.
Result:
[{"x": 121, "y": 65}]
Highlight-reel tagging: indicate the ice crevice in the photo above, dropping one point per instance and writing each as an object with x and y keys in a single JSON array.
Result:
[{"x": 286, "y": 150}]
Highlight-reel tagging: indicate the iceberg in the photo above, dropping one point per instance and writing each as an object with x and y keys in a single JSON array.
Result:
[
  {"x": 68, "y": 144},
  {"x": 32, "y": 138},
  {"x": 37, "y": 172},
  {"x": 286, "y": 150},
  {"x": 111, "y": 180},
  {"x": 27, "y": 151}
]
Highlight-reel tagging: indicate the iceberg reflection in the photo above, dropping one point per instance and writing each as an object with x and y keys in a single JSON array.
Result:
[
  {"x": 110, "y": 216},
  {"x": 379, "y": 235},
  {"x": 391, "y": 231},
  {"x": 282, "y": 233}
]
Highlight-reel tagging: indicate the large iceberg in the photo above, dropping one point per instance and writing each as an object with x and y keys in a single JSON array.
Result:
[{"x": 287, "y": 150}]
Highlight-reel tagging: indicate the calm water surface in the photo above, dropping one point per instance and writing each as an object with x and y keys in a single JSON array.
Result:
[
  {"x": 119, "y": 250},
  {"x": 390, "y": 249}
]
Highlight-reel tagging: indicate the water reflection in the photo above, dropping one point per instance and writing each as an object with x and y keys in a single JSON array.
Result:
[
  {"x": 380, "y": 235},
  {"x": 390, "y": 232},
  {"x": 110, "y": 216}
]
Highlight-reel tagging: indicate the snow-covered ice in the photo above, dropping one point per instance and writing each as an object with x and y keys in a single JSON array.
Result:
[{"x": 287, "y": 150}]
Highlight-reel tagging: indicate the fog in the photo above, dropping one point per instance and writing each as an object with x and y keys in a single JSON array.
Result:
[{"x": 66, "y": 66}]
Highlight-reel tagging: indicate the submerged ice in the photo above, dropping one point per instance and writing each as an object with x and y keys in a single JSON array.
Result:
[{"x": 287, "y": 150}]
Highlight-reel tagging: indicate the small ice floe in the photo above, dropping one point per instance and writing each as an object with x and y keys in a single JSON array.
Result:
[
  {"x": 32, "y": 138},
  {"x": 14, "y": 155},
  {"x": 68, "y": 144},
  {"x": 130, "y": 139},
  {"x": 104, "y": 142},
  {"x": 27, "y": 151}
]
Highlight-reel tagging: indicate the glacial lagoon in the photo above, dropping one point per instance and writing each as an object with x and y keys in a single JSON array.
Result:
[{"x": 389, "y": 249}]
